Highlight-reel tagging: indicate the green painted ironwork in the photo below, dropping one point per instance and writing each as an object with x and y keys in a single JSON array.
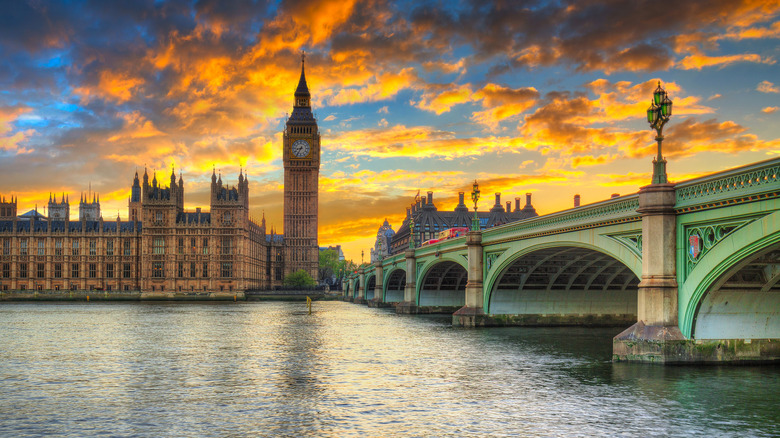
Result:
[
  {"x": 621, "y": 208},
  {"x": 490, "y": 258},
  {"x": 745, "y": 181},
  {"x": 632, "y": 241},
  {"x": 710, "y": 234}
]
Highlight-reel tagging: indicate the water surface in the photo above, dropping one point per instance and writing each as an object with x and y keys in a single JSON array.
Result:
[{"x": 270, "y": 369}]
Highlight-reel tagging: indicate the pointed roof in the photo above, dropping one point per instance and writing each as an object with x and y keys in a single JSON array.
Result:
[{"x": 303, "y": 88}]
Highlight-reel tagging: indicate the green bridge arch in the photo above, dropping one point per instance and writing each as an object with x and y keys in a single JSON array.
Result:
[
  {"x": 448, "y": 298},
  {"x": 593, "y": 239},
  {"x": 736, "y": 248}
]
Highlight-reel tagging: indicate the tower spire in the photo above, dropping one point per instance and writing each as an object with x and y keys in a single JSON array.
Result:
[{"x": 302, "y": 92}]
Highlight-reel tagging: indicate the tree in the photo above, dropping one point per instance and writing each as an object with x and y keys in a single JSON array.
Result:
[
  {"x": 329, "y": 264},
  {"x": 299, "y": 278}
]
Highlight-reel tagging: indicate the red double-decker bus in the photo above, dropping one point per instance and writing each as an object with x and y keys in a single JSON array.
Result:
[{"x": 452, "y": 233}]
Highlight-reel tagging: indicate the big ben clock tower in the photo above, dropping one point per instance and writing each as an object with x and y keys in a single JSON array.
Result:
[{"x": 301, "y": 158}]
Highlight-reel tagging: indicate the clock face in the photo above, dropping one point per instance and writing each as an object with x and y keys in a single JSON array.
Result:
[{"x": 300, "y": 148}]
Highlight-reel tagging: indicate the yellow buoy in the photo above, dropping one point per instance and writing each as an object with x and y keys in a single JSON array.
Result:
[{"x": 308, "y": 303}]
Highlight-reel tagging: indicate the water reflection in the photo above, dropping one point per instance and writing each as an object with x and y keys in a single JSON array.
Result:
[{"x": 270, "y": 369}]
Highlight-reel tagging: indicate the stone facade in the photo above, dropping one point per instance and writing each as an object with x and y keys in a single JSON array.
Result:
[
  {"x": 165, "y": 249},
  {"x": 301, "y": 159}
]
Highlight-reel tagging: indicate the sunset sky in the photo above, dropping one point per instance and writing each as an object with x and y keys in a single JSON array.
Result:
[{"x": 534, "y": 97}]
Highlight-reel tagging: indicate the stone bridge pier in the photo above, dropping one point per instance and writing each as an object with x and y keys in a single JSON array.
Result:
[
  {"x": 472, "y": 314},
  {"x": 379, "y": 281},
  {"x": 361, "y": 292},
  {"x": 409, "y": 304},
  {"x": 656, "y": 332}
]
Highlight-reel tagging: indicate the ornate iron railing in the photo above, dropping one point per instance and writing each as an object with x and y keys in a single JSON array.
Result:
[
  {"x": 742, "y": 182},
  {"x": 610, "y": 210}
]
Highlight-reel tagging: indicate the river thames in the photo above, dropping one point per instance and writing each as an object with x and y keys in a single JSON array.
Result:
[{"x": 270, "y": 369}]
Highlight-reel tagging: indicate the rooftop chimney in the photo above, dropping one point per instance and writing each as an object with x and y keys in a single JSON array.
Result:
[
  {"x": 430, "y": 198},
  {"x": 527, "y": 199},
  {"x": 508, "y": 206},
  {"x": 517, "y": 204},
  {"x": 460, "y": 198},
  {"x": 576, "y": 201}
]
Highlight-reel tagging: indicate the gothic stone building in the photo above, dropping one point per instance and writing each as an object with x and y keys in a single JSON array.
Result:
[{"x": 164, "y": 249}]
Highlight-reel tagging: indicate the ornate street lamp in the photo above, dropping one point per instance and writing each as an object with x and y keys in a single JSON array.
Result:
[
  {"x": 657, "y": 115},
  {"x": 411, "y": 232},
  {"x": 475, "y": 198},
  {"x": 362, "y": 255}
]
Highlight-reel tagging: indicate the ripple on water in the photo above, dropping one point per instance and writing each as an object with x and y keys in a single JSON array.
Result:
[{"x": 346, "y": 370}]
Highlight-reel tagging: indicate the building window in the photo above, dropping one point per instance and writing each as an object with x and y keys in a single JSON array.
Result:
[
  {"x": 158, "y": 216},
  {"x": 41, "y": 270},
  {"x": 181, "y": 270},
  {"x": 227, "y": 270},
  {"x": 157, "y": 270},
  {"x": 192, "y": 244},
  {"x": 127, "y": 247},
  {"x": 126, "y": 270},
  {"x": 205, "y": 269},
  {"x": 74, "y": 270},
  {"x": 23, "y": 246},
  {"x": 227, "y": 245},
  {"x": 180, "y": 248},
  {"x": 41, "y": 250},
  {"x": 58, "y": 270},
  {"x": 75, "y": 247},
  {"x": 93, "y": 270},
  {"x": 158, "y": 246},
  {"x": 278, "y": 273},
  {"x": 110, "y": 247},
  {"x": 6, "y": 270},
  {"x": 6, "y": 246},
  {"x": 58, "y": 247},
  {"x": 92, "y": 247},
  {"x": 22, "y": 270},
  {"x": 193, "y": 274},
  {"x": 110, "y": 270},
  {"x": 226, "y": 218},
  {"x": 205, "y": 245}
]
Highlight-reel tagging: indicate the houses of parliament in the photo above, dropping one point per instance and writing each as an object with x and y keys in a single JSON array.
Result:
[{"x": 163, "y": 248}]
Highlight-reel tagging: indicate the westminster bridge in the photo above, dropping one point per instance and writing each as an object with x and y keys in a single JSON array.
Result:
[{"x": 693, "y": 268}]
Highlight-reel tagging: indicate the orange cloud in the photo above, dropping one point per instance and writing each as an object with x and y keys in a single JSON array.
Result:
[
  {"x": 697, "y": 62},
  {"x": 421, "y": 142},
  {"x": 12, "y": 142},
  {"x": 442, "y": 102},
  {"x": 768, "y": 87},
  {"x": 383, "y": 87},
  {"x": 770, "y": 110},
  {"x": 113, "y": 86}
]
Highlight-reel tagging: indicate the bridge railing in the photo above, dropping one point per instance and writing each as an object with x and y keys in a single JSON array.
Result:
[
  {"x": 622, "y": 209},
  {"x": 742, "y": 182}
]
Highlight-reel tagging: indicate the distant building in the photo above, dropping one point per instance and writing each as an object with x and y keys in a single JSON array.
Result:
[
  {"x": 336, "y": 248},
  {"x": 429, "y": 221},
  {"x": 382, "y": 243}
]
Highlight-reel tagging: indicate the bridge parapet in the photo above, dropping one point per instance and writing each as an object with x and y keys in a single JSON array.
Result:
[
  {"x": 609, "y": 212},
  {"x": 742, "y": 184}
]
